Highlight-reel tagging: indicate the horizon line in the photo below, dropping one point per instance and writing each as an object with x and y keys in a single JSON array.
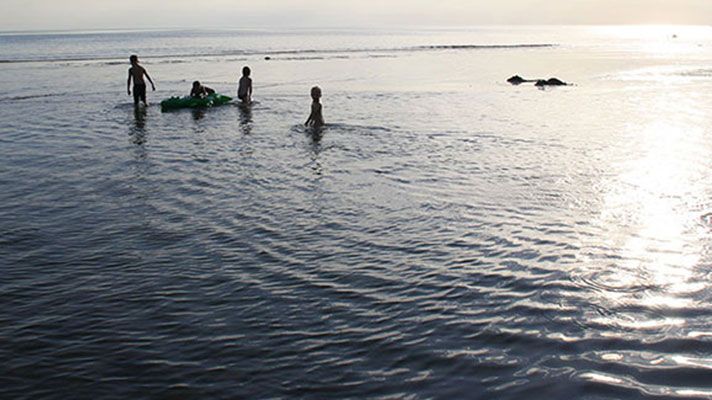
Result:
[{"x": 333, "y": 28}]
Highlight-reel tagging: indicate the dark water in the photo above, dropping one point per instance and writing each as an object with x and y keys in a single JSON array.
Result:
[{"x": 445, "y": 236}]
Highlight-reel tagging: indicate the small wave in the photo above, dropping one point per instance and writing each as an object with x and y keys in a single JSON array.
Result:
[
  {"x": 312, "y": 58},
  {"x": 340, "y": 127},
  {"x": 486, "y": 46},
  {"x": 359, "y": 128},
  {"x": 165, "y": 61},
  {"x": 698, "y": 73},
  {"x": 295, "y": 52},
  {"x": 29, "y": 97}
]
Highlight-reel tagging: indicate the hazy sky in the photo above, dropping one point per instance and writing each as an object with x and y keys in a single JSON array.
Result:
[{"x": 93, "y": 14}]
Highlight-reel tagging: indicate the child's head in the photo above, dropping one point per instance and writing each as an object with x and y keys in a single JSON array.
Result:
[
  {"x": 316, "y": 93},
  {"x": 133, "y": 59},
  {"x": 246, "y": 71},
  {"x": 196, "y": 85}
]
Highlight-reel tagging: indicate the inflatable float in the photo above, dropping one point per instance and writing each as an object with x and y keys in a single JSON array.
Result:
[{"x": 211, "y": 100}]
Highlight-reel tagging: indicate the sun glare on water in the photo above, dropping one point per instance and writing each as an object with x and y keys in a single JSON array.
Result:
[
  {"x": 658, "y": 40},
  {"x": 655, "y": 238}
]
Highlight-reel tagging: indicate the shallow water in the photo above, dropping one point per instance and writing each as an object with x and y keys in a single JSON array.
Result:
[{"x": 445, "y": 236}]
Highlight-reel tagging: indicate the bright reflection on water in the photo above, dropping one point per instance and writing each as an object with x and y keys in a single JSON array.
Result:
[{"x": 657, "y": 280}]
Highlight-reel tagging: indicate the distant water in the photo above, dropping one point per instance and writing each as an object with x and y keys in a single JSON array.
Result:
[{"x": 447, "y": 235}]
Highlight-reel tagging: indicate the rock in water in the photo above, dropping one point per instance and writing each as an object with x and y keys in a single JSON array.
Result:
[
  {"x": 550, "y": 82},
  {"x": 516, "y": 80}
]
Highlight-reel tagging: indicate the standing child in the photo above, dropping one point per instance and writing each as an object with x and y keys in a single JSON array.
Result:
[
  {"x": 244, "y": 89},
  {"x": 137, "y": 72},
  {"x": 316, "y": 119}
]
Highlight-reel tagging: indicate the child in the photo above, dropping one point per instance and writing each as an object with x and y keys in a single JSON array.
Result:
[
  {"x": 137, "y": 72},
  {"x": 199, "y": 91},
  {"x": 316, "y": 119},
  {"x": 244, "y": 89}
]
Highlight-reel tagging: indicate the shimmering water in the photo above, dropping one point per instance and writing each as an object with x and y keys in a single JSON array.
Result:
[{"x": 446, "y": 236}]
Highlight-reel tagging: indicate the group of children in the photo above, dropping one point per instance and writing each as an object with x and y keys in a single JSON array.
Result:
[{"x": 244, "y": 90}]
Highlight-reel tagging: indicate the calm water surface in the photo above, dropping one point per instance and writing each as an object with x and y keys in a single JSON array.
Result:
[{"x": 445, "y": 236}]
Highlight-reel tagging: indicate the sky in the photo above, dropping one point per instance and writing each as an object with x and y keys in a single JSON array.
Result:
[{"x": 142, "y": 14}]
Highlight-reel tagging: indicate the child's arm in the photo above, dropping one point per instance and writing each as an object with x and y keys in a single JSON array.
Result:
[
  {"x": 249, "y": 90},
  {"x": 310, "y": 119},
  {"x": 128, "y": 83},
  {"x": 150, "y": 80}
]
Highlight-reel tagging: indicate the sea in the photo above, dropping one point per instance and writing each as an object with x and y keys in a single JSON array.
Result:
[{"x": 446, "y": 235}]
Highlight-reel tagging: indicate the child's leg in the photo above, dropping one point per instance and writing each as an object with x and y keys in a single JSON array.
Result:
[{"x": 143, "y": 95}]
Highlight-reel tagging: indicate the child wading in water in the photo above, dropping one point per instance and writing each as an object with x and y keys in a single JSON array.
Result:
[
  {"x": 316, "y": 119},
  {"x": 244, "y": 89},
  {"x": 136, "y": 73}
]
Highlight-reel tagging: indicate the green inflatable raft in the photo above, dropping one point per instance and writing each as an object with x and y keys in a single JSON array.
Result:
[{"x": 211, "y": 100}]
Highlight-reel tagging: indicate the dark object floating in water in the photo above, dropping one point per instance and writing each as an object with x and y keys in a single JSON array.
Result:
[
  {"x": 550, "y": 82},
  {"x": 518, "y": 80},
  {"x": 268, "y": 58},
  {"x": 674, "y": 36}
]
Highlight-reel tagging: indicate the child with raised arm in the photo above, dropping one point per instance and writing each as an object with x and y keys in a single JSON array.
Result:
[
  {"x": 136, "y": 73},
  {"x": 244, "y": 89},
  {"x": 316, "y": 119}
]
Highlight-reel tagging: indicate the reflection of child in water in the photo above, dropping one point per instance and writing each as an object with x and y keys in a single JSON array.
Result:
[
  {"x": 316, "y": 119},
  {"x": 199, "y": 91}
]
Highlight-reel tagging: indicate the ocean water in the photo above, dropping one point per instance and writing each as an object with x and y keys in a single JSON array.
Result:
[{"x": 447, "y": 235}]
